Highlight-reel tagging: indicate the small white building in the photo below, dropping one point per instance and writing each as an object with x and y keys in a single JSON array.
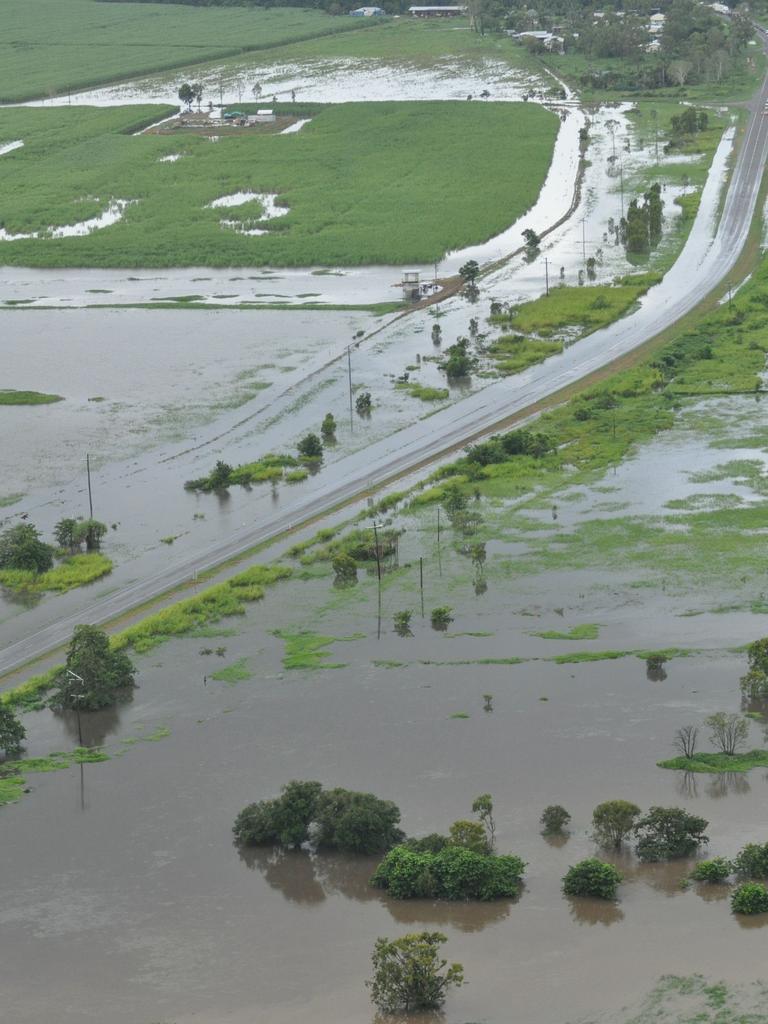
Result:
[
  {"x": 656, "y": 23},
  {"x": 720, "y": 9},
  {"x": 367, "y": 12},
  {"x": 262, "y": 117},
  {"x": 437, "y": 11}
]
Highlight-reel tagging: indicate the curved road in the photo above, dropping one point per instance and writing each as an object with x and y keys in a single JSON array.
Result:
[{"x": 704, "y": 262}]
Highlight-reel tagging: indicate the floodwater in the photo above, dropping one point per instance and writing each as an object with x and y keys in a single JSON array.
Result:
[{"x": 126, "y": 890}]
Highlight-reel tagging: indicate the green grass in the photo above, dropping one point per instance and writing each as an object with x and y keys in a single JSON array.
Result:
[
  {"x": 589, "y": 307},
  {"x": 74, "y": 571},
  {"x": 307, "y": 650},
  {"x": 424, "y": 393},
  {"x": 10, "y": 397},
  {"x": 238, "y": 672},
  {"x": 717, "y": 763},
  {"x": 513, "y": 353},
  {"x": 11, "y": 789},
  {"x": 51, "y": 46},
  {"x": 587, "y": 631},
  {"x": 339, "y": 183}
]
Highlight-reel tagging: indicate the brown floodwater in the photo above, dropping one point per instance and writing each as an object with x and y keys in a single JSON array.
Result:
[{"x": 124, "y": 899}]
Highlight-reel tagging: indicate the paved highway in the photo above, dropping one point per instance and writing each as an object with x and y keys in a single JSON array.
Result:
[{"x": 705, "y": 261}]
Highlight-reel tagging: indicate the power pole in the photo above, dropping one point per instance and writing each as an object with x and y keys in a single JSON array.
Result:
[
  {"x": 349, "y": 374},
  {"x": 546, "y": 274},
  {"x": 584, "y": 238},
  {"x": 90, "y": 494},
  {"x": 621, "y": 180},
  {"x": 421, "y": 584},
  {"x": 378, "y": 554}
]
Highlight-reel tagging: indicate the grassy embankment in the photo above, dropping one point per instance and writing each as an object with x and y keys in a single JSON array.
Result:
[
  {"x": 187, "y": 617},
  {"x": 343, "y": 178},
  {"x": 52, "y": 46}
]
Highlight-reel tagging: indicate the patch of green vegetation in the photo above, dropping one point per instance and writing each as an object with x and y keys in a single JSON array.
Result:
[
  {"x": 717, "y": 763},
  {"x": 217, "y": 602},
  {"x": 513, "y": 353},
  {"x": 587, "y": 631},
  {"x": 295, "y": 476},
  {"x": 73, "y": 571},
  {"x": 577, "y": 657},
  {"x": 425, "y": 394},
  {"x": 238, "y": 672},
  {"x": 10, "y": 397},
  {"x": 477, "y": 633},
  {"x": 459, "y": 714},
  {"x": 387, "y": 663},
  {"x": 51, "y": 46},
  {"x": 588, "y": 307},
  {"x": 307, "y": 650},
  {"x": 478, "y": 661},
  {"x": 90, "y": 152},
  {"x": 10, "y": 499},
  {"x": 11, "y": 789}
]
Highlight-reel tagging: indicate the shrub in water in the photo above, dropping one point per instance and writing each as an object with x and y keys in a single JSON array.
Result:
[
  {"x": 592, "y": 877},
  {"x": 715, "y": 870},
  {"x": 750, "y": 898},
  {"x": 554, "y": 819},
  {"x": 454, "y": 873},
  {"x": 752, "y": 861}
]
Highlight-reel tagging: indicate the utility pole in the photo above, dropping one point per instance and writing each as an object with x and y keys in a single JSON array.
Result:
[
  {"x": 349, "y": 374},
  {"x": 378, "y": 554},
  {"x": 421, "y": 584},
  {"x": 621, "y": 180},
  {"x": 584, "y": 238},
  {"x": 78, "y": 697},
  {"x": 90, "y": 493},
  {"x": 730, "y": 295},
  {"x": 546, "y": 274}
]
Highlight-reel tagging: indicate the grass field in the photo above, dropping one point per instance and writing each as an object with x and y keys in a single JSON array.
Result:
[
  {"x": 363, "y": 183},
  {"x": 51, "y": 46}
]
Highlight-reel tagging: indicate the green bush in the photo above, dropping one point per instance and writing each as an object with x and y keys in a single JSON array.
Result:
[
  {"x": 716, "y": 870},
  {"x": 592, "y": 877},
  {"x": 453, "y": 873},
  {"x": 669, "y": 832},
  {"x": 337, "y": 819},
  {"x": 441, "y": 617},
  {"x": 752, "y": 861},
  {"x": 356, "y": 822},
  {"x": 750, "y": 898},
  {"x": 554, "y": 819}
]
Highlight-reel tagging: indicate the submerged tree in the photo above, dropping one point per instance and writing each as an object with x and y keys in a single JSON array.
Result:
[
  {"x": 685, "y": 740},
  {"x": 12, "y": 732},
  {"x": 727, "y": 732},
  {"x": 409, "y": 974},
  {"x": 613, "y": 821},
  {"x": 22, "y": 548},
  {"x": 94, "y": 675},
  {"x": 483, "y": 807}
]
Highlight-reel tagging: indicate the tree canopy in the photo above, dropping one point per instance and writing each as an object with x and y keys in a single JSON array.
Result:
[
  {"x": 94, "y": 675},
  {"x": 22, "y": 548}
]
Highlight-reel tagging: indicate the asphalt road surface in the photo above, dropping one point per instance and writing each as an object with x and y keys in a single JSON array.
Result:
[{"x": 704, "y": 262}]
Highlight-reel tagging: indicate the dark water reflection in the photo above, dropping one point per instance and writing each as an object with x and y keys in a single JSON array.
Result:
[
  {"x": 556, "y": 840},
  {"x": 309, "y": 878},
  {"x": 591, "y": 912},
  {"x": 712, "y": 892},
  {"x": 96, "y": 726}
]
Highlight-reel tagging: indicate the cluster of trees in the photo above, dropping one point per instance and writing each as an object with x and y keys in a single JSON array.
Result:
[
  {"x": 642, "y": 231},
  {"x": 727, "y": 732},
  {"x": 754, "y": 683},
  {"x": 336, "y": 819},
  {"x": 191, "y": 92},
  {"x": 22, "y": 547},
  {"x": 664, "y": 833},
  {"x": 409, "y": 974},
  {"x": 695, "y": 44}
]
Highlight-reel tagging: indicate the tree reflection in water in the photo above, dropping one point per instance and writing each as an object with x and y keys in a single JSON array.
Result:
[
  {"x": 587, "y": 911},
  {"x": 95, "y": 725},
  {"x": 725, "y": 783},
  {"x": 309, "y": 878}
]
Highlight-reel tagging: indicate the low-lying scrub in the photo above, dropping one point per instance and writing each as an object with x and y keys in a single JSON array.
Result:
[
  {"x": 10, "y": 397},
  {"x": 451, "y": 873}
]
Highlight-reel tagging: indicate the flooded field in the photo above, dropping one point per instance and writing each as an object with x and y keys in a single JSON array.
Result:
[{"x": 143, "y": 903}]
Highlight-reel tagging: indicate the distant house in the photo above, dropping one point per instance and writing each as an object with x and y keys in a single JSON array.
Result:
[
  {"x": 367, "y": 12},
  {"x": 656, "y": 23},
  {"x": 437, "y": 11},
  {"x": 720, "y": 9},
  {"x": 547, "y": 39},
  {"x": 262, "y": 116}
]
